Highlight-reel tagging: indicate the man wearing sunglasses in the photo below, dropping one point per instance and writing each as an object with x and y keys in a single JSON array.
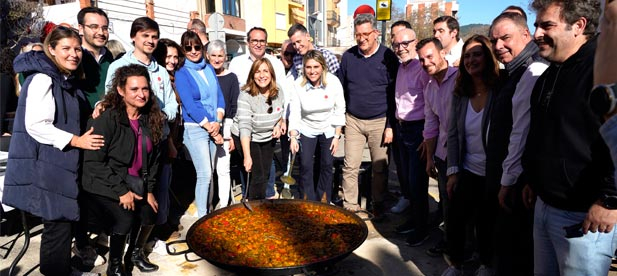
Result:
[{"x": 368, "y": 72}]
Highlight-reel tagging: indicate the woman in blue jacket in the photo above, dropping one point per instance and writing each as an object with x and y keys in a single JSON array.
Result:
[{"x": 203, "y": 108}]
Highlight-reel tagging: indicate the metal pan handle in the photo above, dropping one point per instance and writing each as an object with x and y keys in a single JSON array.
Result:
[{"x": 172, "y": 251}]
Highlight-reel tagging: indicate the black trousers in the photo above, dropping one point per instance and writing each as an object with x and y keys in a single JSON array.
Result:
[
  {"x": 471, "y": 202},
  {"x": 514, "y": 237},
  {"x": 262, "y": 155},
  {"x": 119, "y": 219},
  {"x": 55, "y": 254},
  {"x": 325, "y": 162}
]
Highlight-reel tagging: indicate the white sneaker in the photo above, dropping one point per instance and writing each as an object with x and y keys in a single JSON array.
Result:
[
  {"x": 485, "y": 271},
  {"x": 160, "y": 248},
  {"x": 452, "y": 271},
  {"x": 88, "y": 256},
  {"x": 400, "y": 206}
]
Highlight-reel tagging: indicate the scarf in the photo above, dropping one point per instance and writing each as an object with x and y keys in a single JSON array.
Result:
[
  {"x": 207, "y": 87},
  {"x": 530, "y": 49}
]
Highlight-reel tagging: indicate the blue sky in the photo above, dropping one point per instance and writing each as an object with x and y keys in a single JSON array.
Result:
[{"x": 470, "y": 11}]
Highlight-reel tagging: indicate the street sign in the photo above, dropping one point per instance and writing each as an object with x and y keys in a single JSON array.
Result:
[
  {"x": 383, "y": 10},
  {"x": 216, "y": 21}
]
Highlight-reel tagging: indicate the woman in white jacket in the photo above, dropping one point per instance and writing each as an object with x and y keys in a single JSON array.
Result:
[{"x": 317, "y": 115}]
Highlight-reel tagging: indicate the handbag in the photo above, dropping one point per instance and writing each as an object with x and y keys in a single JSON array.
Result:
[{"x": 137, "y": 184}]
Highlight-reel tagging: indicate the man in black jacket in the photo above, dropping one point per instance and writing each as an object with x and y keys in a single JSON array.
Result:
[
  {"x": 513, "y": 46},
  {"x": 566, "y": 161}
]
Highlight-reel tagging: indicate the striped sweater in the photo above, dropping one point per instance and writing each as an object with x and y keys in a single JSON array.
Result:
[{"x": 252, "y": 118}]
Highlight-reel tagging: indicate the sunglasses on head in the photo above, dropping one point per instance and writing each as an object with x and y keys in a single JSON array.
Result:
[
  {"x": 188, "y": 48},
  {"x": 269, "y": 102}
]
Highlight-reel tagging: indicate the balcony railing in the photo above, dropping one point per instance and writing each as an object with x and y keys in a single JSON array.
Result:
[{"x": 333, "y": 18}]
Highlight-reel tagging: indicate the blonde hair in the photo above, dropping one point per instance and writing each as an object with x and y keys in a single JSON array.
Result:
[{"x": 316, "y": 56}]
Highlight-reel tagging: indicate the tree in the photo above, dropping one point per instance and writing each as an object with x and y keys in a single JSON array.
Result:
[{"x": 19, "y": 20}]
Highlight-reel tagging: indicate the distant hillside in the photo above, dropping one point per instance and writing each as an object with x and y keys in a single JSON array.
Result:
[{"x": 471, "y": 29}]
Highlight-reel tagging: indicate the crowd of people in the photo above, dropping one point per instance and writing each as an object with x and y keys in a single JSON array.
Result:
[{"x": 516, "y": 128}]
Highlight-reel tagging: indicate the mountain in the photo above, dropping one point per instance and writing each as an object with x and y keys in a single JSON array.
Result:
[{"x": 471, "y": 29}]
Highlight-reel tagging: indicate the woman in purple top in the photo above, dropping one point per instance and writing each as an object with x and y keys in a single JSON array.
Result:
[{"x": 131, "y": 110}]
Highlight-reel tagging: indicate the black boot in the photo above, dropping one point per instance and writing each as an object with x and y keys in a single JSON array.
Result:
[
  {"x": 138, "y": 258},
  {"x": 116, "y": 250}
]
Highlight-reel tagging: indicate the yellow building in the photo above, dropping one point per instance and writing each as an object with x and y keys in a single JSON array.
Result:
[{"x": 278, "y": 16}]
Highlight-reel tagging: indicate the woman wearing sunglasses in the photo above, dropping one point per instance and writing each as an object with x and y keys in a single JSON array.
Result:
[
  {"x": 257, "y": 125},
  {"x": 203, "y": 108},
  {"x": 317, "y": 113}
]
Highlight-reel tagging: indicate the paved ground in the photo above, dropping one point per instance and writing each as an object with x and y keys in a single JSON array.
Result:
[{"x": 383, "y": 253}]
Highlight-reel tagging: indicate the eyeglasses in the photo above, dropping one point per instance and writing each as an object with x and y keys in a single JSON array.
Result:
[
  {"x": 363, "y": 35},
  {"x": 257, "y": 41},
  {"x": 96, "y": 27},
  {"x": 188, "y": 48},
  {"x": 405, "y": 44},
  {"x": 269, "y": 102}
]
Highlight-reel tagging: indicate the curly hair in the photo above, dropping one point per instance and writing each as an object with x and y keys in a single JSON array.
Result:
[
  {"x": 572, "y": 10},
  {"x": 114, "y": 101},
  {"x": 252, "y": 88},
  {"x": 490, "y": 76}
]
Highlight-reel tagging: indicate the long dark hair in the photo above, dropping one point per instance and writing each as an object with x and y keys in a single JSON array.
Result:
[
  {"x": 490, "y": 76},
  {"x": 113, "y": 100},
  {"x": 160, "y": 53},
  {"x": 252, "y": 88}
]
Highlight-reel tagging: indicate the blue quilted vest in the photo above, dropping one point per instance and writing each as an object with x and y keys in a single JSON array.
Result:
[{"x": 41, "y": 179}]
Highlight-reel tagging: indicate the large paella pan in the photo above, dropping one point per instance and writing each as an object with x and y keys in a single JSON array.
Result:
[{"x": 280, "y": 237}]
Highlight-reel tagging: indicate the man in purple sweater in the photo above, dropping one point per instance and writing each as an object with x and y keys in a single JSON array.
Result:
[{"x": 367, "y": 72}]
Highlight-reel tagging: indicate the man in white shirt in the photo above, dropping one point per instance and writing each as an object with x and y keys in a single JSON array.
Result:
[
  {"x": 505, "y": 142},
  {"x": 446, "y": 29},
  {"x": 257, "y": 39}
]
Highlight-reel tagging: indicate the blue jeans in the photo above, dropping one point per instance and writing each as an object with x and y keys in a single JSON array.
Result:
[
  {"x": 554, "y": 254},
  {"x": 203, "y": 152}
]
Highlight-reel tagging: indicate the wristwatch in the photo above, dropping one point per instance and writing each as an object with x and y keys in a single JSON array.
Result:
[
  {"x": 602, "y": 99},
  {"x": 337, "y": 136},
  {"x": 609, "y": 202}
]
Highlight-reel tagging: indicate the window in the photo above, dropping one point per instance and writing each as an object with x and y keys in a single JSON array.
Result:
[
  {"x": 231, "y": 7},
  {"x": 210, "y": 6},
  {"x": 281, "y": 23}
]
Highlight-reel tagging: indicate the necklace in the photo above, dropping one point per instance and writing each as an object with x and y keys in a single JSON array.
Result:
[{"x": 545, "y": 99}]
